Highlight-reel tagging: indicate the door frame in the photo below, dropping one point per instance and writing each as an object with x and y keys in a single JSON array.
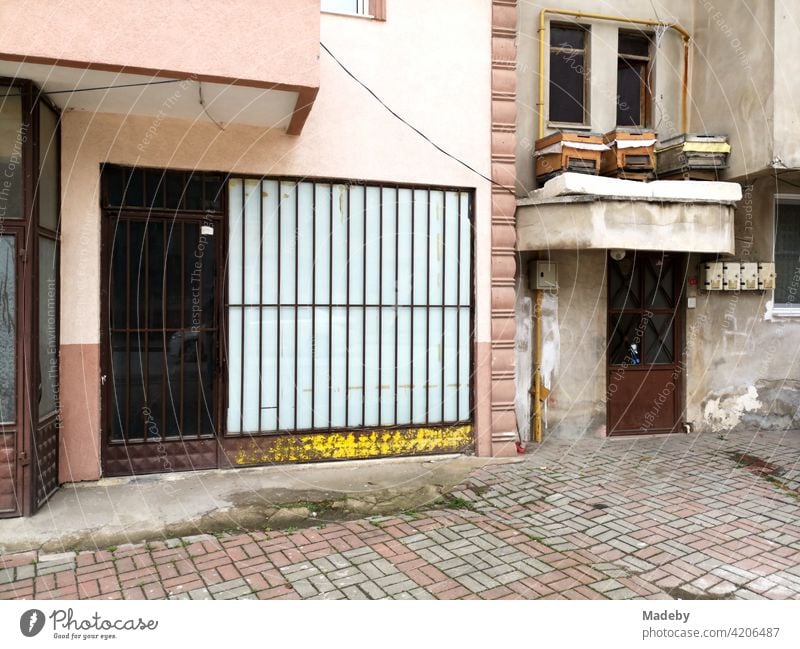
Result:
[
  {"x": 208, "y": 449},
  {"x": 678, "y": 366}
]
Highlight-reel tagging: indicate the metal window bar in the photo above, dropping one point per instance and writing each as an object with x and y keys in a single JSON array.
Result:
[{"x": 350, "y": 290}]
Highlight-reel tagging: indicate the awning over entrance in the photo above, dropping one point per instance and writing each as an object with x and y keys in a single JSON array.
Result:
[{"x": 578, "y": 211}]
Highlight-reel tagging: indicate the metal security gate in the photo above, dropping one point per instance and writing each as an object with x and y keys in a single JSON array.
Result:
[
  {"x": 645, "y": 343},
  {"x": 161, "y": 374},
  {"x": 348, "y": 309}
]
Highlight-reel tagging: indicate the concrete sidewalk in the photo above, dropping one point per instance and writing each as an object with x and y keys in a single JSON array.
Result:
[{"x": 687, "y": 516}]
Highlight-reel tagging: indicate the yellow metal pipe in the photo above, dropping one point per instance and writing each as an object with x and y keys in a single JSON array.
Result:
[
  {"x": 537, "y": 372},
  {"x": 617, "y": 19}
]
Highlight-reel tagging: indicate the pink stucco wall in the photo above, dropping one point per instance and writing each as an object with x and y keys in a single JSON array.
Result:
[
  {"x": 438, "y": 80},
  {"x": 257, "y": 42}
]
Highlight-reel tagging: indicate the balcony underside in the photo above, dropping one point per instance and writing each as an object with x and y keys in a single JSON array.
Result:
[
  {"x": 685, "y": 216},
  {"x": 156, "y": 93}
]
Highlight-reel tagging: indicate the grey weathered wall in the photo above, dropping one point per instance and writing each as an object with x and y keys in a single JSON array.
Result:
[{"x": 743, "y": 361}]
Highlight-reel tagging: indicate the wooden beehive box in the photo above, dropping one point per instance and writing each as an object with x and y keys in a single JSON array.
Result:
[
  {"x": 629, "y": 151},
  {"x": 568, "y": 151},
  {"x": 692, "y": 152}
]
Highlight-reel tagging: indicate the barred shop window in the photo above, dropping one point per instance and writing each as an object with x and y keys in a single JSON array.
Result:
[
  {"x": 349, "y": 306},
  {"x": 568, "y": 74},
  {"x": 787, "y": 253},
  {"x": 633, "y": 80}
]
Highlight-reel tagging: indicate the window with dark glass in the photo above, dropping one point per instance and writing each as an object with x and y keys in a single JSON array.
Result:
[
  {"x": 787, "y": 254},
  {"x": 633, "y": 80},
  {"x": 568, "y": 74}
]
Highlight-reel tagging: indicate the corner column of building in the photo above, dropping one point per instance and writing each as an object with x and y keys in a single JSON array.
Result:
[{"x": 504, "y": 58}]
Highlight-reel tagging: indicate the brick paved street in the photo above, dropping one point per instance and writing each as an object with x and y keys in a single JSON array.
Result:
[{"x": 680, "y": 517}]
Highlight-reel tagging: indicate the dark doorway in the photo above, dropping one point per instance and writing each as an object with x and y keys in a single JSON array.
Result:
[{"x": 645, "y": 343}]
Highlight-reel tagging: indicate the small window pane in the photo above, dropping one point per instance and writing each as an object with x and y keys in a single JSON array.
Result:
[
  {"x": 566, "y": 37},
  {"x": 345, "y": 6},
  {"x": 787, "y": 254},
  {"x": 48, "y": 326},
  {"x": 8, "y": 330},
  {"x": 634, "y": 44},
  {"x": 11, "y": 142},
  {"x": 630, "y": 85},
  {"x": 566, "y": 87},
  {"x": 48, "y": 167}
]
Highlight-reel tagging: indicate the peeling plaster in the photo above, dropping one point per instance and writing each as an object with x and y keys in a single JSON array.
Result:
[
  {"x": 523, "y": 345},
  {"x": 726, "y": 411}
]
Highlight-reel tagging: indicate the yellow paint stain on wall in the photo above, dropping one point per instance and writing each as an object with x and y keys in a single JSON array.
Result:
[{"x": 354, "y": 445}]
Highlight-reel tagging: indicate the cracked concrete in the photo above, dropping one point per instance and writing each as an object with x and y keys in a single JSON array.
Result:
[{"x": 116, "y": 511}]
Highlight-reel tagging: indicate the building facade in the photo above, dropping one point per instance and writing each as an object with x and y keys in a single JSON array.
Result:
[
  {"x": 274, "y": 249},
  {"x": 321, "y": 238}
]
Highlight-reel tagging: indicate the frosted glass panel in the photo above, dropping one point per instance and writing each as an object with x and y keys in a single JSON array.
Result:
[
  {"x": 372, "y": 360},
  {"x": 304, "y": 374},
  {"x": 8, "y": 329},
  {"x": 347, "y": 349},
  {"x": 355, "y": 359},
  {"x": 288, "y": 240},
  {"x": 435, "y": 364},
  {"x": 450, "y": 365}
]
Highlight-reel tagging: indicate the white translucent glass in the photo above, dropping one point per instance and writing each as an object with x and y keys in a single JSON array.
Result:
[
  {"x": 287, "y": 377},
  {"x": 355, "y": 360},
  {"x": 356, "y": 237},
  {"x": 435, "y": 251},
  {"x": 339, "y": 245},
  {"x": 305, "y": 243},
  {"x": 421, "y": 250},
  {"x": 250, "y": 355},
  {"x": 387, "y": 351},
  {"x": 269, "y": 368},
  {"x": 270, "y": 196},
  {"x": 464, "y": 365},
  {"x": 435, "y": 364},
  {"x": 288, "y": 233},
  {"x": 338, "y": 367},
  {"x": 234, "y": 369},
  {"x": 465, "y": 269},
  {"x": 235, "y": 216},
  {"x": 404, "y": 245},
  {"x": 322, "y": 257},
  {"x": 420, "y": 356},
  {"x": 305, "y": 378},
  {"x": 372, "y": 246},
  {"x": 251, "y": 233},
  {"x": 450, "y": 365},
  {"x": 403, "y": 365},
  {"x": 321, "y": 366},
  {"x": 388, "y": 245},
  {"x": 451, "y": 244},
  {"x": 372, "y": 360}
]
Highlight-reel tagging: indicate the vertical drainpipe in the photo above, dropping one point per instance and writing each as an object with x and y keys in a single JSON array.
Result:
[{"x": 537, "y": 371}]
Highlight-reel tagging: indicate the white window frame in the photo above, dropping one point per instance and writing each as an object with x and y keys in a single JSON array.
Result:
[
  {"x": 782, "y": 310},
  {"x": 362, "y": 9}
]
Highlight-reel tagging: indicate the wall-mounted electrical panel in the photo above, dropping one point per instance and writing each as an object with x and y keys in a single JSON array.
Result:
[
  {"x": 748, "y": 276},
  {"x": 542, "y": 275},
  {"x": 712, "y": 276},
  {"x": 737, "y": 276},
  {"x": 731, "y": 275},
  {"x": 766, "y": 275}
]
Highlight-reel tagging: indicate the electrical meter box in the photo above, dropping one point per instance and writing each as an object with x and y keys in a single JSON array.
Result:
[
  {"x": 749, "y": 276},
  {"x": 542, "y": 275},
  {"x": 731, "y": 275},
  {"x": 712, "y": 276},
  {"x": 766, "y": 275}
]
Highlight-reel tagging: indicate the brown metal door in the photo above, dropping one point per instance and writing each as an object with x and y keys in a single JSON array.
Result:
[
  {"x": 160, "y": 345},
  {"x": 645, "y": 343}
]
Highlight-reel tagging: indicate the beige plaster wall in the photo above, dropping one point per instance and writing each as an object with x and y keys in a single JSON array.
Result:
[
  {"x": 264, "y": 41},
  {"x": 668, "y": 68},
  {"x": 426, "y": 74}
]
